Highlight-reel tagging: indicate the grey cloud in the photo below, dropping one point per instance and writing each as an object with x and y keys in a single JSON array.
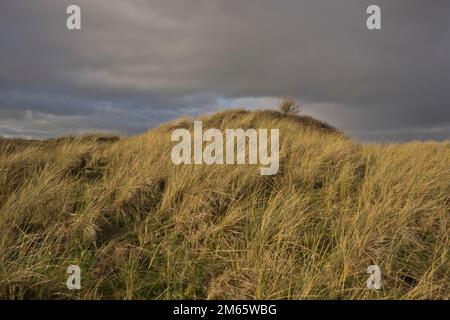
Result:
[{"x": 160, "y": 59}]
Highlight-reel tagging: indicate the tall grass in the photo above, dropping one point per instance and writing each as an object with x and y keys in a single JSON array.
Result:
[{"x": 142, "y": 228}]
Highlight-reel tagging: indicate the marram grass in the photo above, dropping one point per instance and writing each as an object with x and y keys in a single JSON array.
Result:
[{"x": 140, "y": 227}]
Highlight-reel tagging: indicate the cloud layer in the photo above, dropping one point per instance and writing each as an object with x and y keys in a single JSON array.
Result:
[{"x": 136, "y": 63}]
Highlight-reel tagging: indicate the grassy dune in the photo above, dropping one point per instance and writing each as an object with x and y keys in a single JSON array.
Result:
[{"x": 142, "y": 228}]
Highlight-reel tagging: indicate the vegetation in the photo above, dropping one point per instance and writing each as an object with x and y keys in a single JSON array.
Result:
[
  {"x": 289, "y": 105},
  {"x": 142, "y": 228}
]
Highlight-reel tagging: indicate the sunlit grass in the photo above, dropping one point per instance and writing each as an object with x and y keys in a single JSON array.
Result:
[{"x": 142, "y": 228}]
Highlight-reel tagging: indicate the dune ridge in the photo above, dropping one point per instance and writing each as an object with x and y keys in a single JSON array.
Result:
[{"x": 140, "y": 227}]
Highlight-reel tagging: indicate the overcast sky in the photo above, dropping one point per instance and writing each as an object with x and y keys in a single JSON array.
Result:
[{"x": 137, "y": 63}]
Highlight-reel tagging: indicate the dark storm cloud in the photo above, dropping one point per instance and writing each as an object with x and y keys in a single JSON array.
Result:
[{"x": 135, "y": 63}]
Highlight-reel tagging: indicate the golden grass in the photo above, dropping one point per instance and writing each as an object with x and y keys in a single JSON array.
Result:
[{"x": 142, "y": 228}]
